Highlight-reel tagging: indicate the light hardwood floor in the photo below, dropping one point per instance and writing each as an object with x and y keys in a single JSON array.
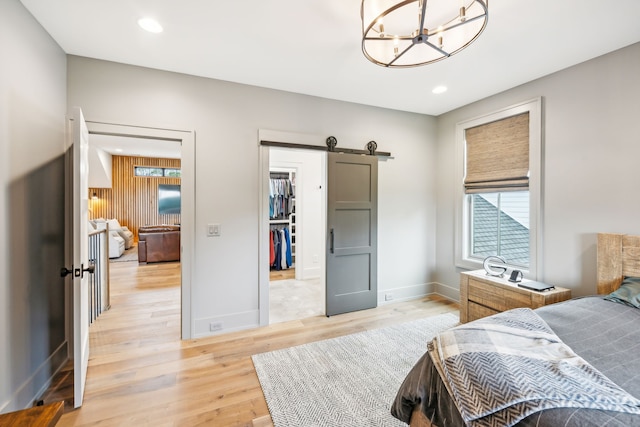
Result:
[
  {"x": 142, "y": 374},
  {"x": 287, "y": 274}
]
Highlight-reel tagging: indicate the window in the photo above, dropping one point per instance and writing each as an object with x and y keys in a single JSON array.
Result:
[
  {"x": 147, "y": 171},
  {"x": 500, "y": 226},
  {"x": 172, "y": 173},
  {"x": 499, "y": 158},
  {"x": 151, "y": 171}
]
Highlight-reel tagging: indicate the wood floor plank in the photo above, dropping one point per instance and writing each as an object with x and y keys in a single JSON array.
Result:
[
  {"x": 38, "y": 416},
  {"x": 142, "y": 374}
]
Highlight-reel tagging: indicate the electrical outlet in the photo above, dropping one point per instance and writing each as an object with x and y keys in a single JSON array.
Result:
[
  {"x": 388, "y": 297},
  {"x": 316, "y": 259},
  {"x": 215, "y": 326}
]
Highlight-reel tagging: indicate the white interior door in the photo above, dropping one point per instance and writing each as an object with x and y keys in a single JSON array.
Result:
[{"x": 80, "y": 242}]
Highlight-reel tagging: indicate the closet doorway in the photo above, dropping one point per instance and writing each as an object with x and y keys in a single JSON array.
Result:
[{"x": 297, "y": 223}]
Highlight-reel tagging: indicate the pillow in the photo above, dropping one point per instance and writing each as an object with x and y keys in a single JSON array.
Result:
[
  {"x": 628, "y": 293},
  {"x": 97, "y": 220},
  {"x": 113, "y": 224}
]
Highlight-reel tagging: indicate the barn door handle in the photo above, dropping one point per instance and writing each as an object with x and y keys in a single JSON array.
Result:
[{"x": 331, "y": 248}]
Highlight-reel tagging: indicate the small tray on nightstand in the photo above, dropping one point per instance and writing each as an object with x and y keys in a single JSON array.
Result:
[{"x": 536, "y": 286}]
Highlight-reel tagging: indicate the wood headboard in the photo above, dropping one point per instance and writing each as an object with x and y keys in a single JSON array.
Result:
[{"x": 618, "y": 256}]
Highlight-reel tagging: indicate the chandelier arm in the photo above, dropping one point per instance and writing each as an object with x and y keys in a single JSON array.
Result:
[
  {"x": 399, "y": 55},
  {"x": 423, "y": 15},
  {"x": 433, "y": 46},
  {"x": 458, "y": 24}
]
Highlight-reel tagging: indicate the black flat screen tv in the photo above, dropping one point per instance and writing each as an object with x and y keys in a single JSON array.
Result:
[{"x": 168, "y": 199}]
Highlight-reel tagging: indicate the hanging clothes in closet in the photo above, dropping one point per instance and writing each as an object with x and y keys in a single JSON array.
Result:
[
  {"x": 288, "y": 256},
  {"x": 281, "y": 196},
  {"x": 280, "y": 248}
]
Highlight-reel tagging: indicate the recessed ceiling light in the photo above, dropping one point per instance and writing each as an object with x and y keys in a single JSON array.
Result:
[
  {"x": 439, "y": 89},
  {"x": 119, "y": 150},
  {"x": 150, "y": 24}
]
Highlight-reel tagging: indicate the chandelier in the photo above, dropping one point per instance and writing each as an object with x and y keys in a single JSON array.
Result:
[{"x": 408, "y": 33}]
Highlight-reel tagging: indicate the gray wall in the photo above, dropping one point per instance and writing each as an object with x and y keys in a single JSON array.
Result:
[
  {"x": 32, "y": 124},
  {"x": 226, "y": 118},
  {"x": 591, "y": 143}
]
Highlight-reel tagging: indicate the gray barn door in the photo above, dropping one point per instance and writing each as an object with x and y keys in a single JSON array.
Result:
[{"x": 352, "y": 216}]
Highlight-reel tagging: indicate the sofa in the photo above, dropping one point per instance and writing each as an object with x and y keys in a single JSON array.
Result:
[{"x": 158, "y": 243}]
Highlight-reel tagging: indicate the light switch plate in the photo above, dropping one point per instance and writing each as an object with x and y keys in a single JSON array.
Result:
[{"x": 213, "y": 230}]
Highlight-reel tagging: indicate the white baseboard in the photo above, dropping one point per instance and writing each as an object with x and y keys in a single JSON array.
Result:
[
  {"x": 34, "y": 386},
  {"x": 448, "y": 292},
  {"x": 418, "y": 291},
  {"x": 251, "y": 319},
  {"x": 406, "y": 293},
  {"x": 228, "y": 323},
  {"x": 311, "y": 273}
]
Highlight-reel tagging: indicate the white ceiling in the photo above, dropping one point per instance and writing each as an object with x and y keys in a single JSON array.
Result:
[
  {"x": 137, "y": 147},
  {"x": 314, "y": 46}
]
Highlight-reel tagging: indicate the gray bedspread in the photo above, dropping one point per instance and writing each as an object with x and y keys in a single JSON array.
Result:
[{"x": 604, "y": 333}]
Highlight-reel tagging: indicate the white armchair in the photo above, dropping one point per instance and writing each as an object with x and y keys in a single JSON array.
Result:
[
  {"x": 116, "y": 245},
  {"x": 123, "y": 231},
  {"x": 116, "y": 242}
]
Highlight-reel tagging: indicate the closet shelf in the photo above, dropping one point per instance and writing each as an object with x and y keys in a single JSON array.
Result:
[{"x": 278, "y": 221}]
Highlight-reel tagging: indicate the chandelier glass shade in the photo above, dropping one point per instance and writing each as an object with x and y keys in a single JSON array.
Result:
[{"x": 407, "y": 33}]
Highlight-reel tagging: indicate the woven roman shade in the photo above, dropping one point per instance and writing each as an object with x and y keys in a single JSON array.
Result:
[{"x": 497, "y": 156}]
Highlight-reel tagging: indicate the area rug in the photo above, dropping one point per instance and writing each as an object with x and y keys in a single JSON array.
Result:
[
  {"x": 345, "y": 381},
  {"x": 130, "y": 254}
]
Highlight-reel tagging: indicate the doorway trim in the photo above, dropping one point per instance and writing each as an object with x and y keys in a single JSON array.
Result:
[
  {"x": 187, "y": 216},
  {"x": 296, "y": 140}
]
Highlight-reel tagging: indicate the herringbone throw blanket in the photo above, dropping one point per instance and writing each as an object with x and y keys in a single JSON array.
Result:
[{"x": 508, "y": 366}]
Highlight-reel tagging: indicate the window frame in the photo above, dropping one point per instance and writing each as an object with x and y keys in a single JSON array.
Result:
[
  {"x": 463, "y": 226},
  {"x": 163, "y": 170}
]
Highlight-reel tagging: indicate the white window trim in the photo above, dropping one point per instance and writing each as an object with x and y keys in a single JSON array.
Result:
[{"x": 534, "y": 107}]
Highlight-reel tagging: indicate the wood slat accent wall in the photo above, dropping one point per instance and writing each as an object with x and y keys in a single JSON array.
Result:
[{"x": 133, "y": 200}]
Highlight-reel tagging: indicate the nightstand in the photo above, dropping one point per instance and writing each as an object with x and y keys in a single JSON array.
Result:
[{"x": 482, "y": 295}]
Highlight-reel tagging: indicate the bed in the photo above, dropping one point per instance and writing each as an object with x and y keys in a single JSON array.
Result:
[{"x": 602, "y": 330}]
